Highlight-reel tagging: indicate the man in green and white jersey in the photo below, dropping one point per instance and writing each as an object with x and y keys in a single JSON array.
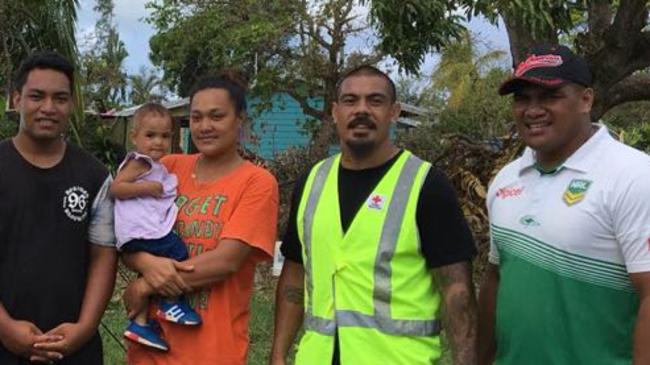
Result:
[{"x": 568, "y": 279}]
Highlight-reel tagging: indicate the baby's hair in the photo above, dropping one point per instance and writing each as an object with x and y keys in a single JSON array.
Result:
[{"x": 150, "y": 108}]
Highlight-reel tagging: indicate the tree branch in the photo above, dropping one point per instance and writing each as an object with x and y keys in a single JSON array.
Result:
[
  {"x": 520, "y": 37},
  {"x": 303, "y": 102},
  {"x": 360, "y": 29},
  {"x": 312, "y": 33},
  {"x": 313, "y": 29},
  {"x": 630, "y": 18},
  {"x": 633, "y": 88},
  {"x": 640, "y": 58}
]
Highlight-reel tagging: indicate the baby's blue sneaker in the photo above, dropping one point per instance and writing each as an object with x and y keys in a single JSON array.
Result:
[
  {"x": 148, "y": 335},
  {"x": 178, "y": 311}
]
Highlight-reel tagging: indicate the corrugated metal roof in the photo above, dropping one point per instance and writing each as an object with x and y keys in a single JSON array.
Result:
[{"x": 414, "y": 110}]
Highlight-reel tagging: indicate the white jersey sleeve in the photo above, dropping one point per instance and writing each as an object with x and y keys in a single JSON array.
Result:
[
  {"x": 493, "y": 253},
  {"x": 630, "y": 212}
]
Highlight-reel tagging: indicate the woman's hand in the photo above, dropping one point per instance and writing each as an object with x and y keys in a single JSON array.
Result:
[{"x": 162, "y": 275}]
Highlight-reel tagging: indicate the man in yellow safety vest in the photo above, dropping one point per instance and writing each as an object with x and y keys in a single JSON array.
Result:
[{"x": 377, "y": 248}]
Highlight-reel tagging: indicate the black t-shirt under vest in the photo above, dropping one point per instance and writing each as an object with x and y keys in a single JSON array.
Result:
[
  {"x": 44, "y": 247},
  {"x": 445, "y": 237}
]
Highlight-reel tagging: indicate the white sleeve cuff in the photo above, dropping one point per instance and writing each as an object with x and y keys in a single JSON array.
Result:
[
  {"x": 101, "y": 229},
  {"x": 639, "y": 266}
]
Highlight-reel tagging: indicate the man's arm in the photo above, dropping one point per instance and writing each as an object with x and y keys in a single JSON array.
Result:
[
  {"x": 641, "y": 282},
  {"x": 125, "y": 187},
  {"x": 487, "y": 299},
  {"x": 289, "y": 309},
  {"x": 99, "y": 287},
  {"x": 459, "y": 310}
]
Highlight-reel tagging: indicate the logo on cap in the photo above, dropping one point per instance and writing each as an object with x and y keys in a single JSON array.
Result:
[{"x": 534, "y": 61}]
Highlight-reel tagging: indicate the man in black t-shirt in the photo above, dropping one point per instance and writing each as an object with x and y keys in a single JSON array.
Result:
[
  {"x": 364, "y": 109},
  {"x": 57, "y": 255}
]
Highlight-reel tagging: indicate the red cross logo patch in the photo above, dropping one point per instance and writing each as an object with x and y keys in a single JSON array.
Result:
[{"x": 376, "y": 201}]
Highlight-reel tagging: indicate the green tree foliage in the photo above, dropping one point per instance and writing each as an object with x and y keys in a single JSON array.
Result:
[
  {"x": 8, "y": 127},
  {"x": 467, "y": 81},
  {"x": 613, "y": 36},
  {"x": 104, "y": 79},
  {"x": 195, "y": 38},
  {"x": 145, "y": 86},
  {"x": 629, "y": 115},
  {"x": 461, "y": 66},
  {"x": 410, "y": 88},
  {"x": 295, "y": 46},
  {"x": 31, "y": 25},
  {"x": 462, "y": 94},
  {"x": 411, "y": 29},
  {"x": 96, "y": 135},
  {"x": 482, "y": 113},
  {"x": 637, "y": 136},
  {"x": 34, "y": 25}
]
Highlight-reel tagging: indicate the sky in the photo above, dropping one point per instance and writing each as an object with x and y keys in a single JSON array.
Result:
[{"x": 135, "y": 32}]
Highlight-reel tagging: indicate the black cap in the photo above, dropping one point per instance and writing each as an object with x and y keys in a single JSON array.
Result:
[{"x": 549, "y": 66}]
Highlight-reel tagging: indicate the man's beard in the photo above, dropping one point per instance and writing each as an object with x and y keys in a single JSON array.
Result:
[{"x": 363, "y": 147}]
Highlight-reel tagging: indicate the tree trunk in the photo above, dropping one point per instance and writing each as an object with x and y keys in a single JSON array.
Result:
[{"x": 521, "y": 38}]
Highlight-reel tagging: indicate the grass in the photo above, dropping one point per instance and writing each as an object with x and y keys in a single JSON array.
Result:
[
  {"x": 113, "y": 324},
  {"x": 261, "y": 330}
]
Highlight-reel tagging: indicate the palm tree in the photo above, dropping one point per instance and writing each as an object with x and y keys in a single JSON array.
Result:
[
  {"x": 104, "y": 78},
  {"x": 464, "y": 90},
  {"x": 144, "y": 86},
  {"x": 461, "y": 65}
]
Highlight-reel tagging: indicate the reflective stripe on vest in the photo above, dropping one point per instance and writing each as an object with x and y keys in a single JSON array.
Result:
[{"x": 382, "y": 291}]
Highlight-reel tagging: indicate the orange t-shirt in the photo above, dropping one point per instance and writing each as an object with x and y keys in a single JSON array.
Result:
[{"x": 242, "y": 205}]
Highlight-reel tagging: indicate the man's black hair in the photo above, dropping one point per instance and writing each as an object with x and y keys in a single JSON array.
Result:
[
  {"x": 44, "y": 61},
  {"x": 367, "y": 70}
]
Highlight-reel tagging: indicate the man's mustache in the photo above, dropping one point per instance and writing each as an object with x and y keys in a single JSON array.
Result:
[{"x": 362, "y": 120}]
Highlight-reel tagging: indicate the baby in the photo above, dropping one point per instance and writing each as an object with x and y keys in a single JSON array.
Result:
[{"x": 145, "y": 212}]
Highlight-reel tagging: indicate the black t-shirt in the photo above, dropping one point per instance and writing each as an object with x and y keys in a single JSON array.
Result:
[
  {"x": 444, "y": 234},
  {"x": 44, "y": 219}
]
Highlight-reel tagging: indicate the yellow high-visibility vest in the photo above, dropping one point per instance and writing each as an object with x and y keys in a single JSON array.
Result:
[{"x": 370, "y": 284}]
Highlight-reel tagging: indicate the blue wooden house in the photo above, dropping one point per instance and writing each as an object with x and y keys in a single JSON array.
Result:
[{"x": 273, "y": 130}]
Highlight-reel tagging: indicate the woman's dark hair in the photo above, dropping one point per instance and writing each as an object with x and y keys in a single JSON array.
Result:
[
  {"x": 231, "y": 81},
  {"x": 44, "y": 61}
]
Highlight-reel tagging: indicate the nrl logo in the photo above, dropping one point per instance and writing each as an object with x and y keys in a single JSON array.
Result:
[{"x": 576, "y": 191}]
